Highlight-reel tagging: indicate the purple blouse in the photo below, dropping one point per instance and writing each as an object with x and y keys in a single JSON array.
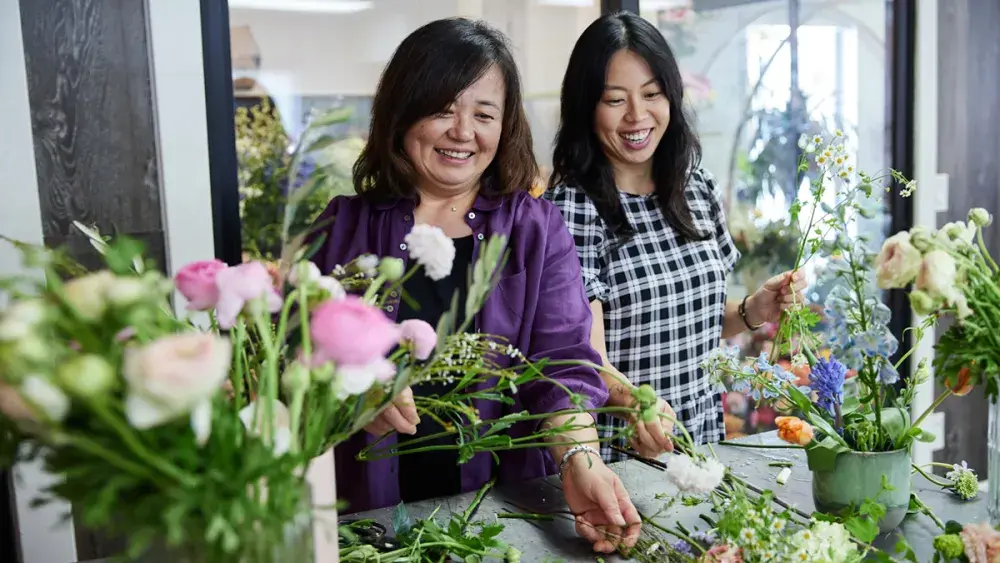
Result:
[{"x": 539, "y": 306}]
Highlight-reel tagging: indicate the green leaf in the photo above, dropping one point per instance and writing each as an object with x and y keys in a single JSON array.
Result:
[
  {"x": 321, "y": 143},
  {"x": 895, "y": 422},
  {"x": 332, "y": 117},
  {"x": 401, "y": 522},
  {"x": 952, "y": 527},
  {"x": 822, "y": 456},
  {"x": 863, "y": 528}
]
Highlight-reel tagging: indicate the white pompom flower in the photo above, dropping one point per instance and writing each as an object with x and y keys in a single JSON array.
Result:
[
  {"x": 694, "y": 477},
  {"x": 432, "y": 249}
]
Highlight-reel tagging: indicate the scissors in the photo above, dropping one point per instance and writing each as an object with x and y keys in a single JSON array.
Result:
[{"x": 370, "y": 532}]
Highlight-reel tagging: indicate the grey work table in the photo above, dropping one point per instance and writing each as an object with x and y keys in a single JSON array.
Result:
[{"x": 557, "y": 540}]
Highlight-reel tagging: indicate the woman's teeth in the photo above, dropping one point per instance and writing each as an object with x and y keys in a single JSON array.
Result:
[
  {"x": 636, "y": 136},
  {"x": 455, "y": 154}
]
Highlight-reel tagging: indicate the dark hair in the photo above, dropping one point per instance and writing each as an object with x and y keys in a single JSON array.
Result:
[
  {"x": 579, "y": 158},
  {"x": 428, "y": 71}
]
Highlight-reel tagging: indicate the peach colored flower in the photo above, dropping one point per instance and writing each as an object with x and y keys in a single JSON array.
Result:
[
  {"x": 794, "y": 430},
  {"x": 982, "y": 543},
  {"x": 724, "y": 553},
  {"x": 963, "y": 384},
  {"x": 897, "y": 263}
]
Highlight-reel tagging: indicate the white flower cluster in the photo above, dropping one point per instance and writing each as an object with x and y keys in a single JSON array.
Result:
[
  {"x": 432, "y": 249},
  {"x": 824, "y": 542},
  {"x": 720, "y": 362},
  {"x": 693, "y": 477}
]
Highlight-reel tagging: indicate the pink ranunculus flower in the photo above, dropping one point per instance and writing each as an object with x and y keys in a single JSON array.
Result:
[
  {"x": 196, "y": 282},
  {"x": 351, "y": 333},
  {"x": 174, "y": 376},
  {"x": 421, "y": 335},
  {"x": 898, "y": 263},
  {"x": 240, "y": 285}
]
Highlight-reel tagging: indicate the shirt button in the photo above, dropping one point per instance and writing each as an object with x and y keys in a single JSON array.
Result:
[
  {"x": 472, "y": 215},
  {"x": 480, "y": 236},
  {"x": 402, "y": 246},
  {"x": 393, "y": 294},
  {"x": 406, "y": 218},
  {"x": 389, "y": 308}
]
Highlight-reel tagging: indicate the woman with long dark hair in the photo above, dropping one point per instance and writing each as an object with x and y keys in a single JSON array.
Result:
[
  {"x": 649, "y": 228},
  {"x": 450, "y": 147}
]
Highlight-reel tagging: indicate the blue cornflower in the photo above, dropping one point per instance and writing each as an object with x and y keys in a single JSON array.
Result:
[{"x": 827, "y": 379}]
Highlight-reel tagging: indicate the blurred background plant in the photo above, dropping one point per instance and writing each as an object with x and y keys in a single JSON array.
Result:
[{"x": 271, "y": 166}]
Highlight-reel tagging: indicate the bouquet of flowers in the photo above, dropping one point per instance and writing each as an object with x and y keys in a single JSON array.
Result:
[
  {"x": 952, "y": 272},
  {"x": 860, "y": 340}
]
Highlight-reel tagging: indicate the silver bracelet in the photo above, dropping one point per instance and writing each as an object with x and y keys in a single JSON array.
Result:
[{"x": 573, "y": 451}]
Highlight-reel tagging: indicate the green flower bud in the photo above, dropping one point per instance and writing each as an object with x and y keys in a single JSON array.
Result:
[
  {"x": 324, "y": 373},
  {"x": 391, "y": 268},
  {"x": 923, "y": 304},
  {"x": 86, "y": 376},
  {"x": 950, "y": 546},
  {"x": 127, "y": 291},
  {"x": 513, "y": 555},
  {"x": 649, "y": 414},
  {"x": 645, "y": 395},
  {"x": 967, "y": 486},
  {"x": 921, "y": 238},
  {"x": 980, "y": 217},
  {"x": 296, "y": 378},
  {"x": 87, "y": 295}
]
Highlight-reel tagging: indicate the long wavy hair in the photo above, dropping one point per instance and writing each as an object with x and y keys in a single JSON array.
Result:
[{"x": 579, "y": 158}]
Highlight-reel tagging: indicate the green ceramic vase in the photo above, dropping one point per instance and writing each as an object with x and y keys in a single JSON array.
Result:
[{"x": 858, "y": 476}]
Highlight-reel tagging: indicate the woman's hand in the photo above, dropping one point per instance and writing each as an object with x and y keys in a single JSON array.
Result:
[
  {"x": 605, "y": 516},
  {"x": 652, "y": 438},
  {"x": 400, "y": 416},
  {"x": 776, "y": 295}
]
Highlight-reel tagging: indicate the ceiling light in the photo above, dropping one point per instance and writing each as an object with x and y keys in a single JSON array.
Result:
[{"x": 309, "y": 6}]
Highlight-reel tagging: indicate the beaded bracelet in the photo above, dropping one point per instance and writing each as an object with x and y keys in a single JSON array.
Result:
[{"x": 572, "y": 452}]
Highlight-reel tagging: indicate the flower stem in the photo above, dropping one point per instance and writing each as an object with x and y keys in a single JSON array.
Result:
[
  {"x": 941, "y": 484},
  {"x": 526, "y": 516},
  {"x": 937, "y": 403},
  {"x": 761, "y": 446}
]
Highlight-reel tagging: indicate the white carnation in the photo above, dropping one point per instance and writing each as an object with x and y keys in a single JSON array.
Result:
[
  {"x": 693, "y": 477},
  {"x": 303, "y": 273},
  {"x": 432, "y": 249}
]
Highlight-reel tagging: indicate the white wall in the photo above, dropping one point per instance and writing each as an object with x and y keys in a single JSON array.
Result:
[{"x": 310, "y": 54}]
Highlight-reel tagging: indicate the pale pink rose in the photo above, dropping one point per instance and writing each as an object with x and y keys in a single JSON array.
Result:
[
  {"x": 897, "y": 263},
  {"x": 421, "y": 335},
  {"x": 938, "y": 275},
  {"x": 241, "y": 284},
  {"x": 982, "y": 543},
  {"x": 351, "y": 333},
  {"x": 37, "y": 398},
  {"x": 174, "y": 376},
  {"x": 196, "y": 282}
]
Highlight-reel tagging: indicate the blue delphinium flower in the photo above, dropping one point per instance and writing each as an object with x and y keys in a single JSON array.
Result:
[
  {"x": 762, "y": 364},
  {"x": 888, "y": 374},
  {"x": 827, "y": 379},
  {"x": 683, "y": 547}
]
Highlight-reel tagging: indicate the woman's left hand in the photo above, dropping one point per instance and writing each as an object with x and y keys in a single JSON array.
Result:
[
  {"x": 605, "y": 516},
  {"x": 776, "y": 295}
]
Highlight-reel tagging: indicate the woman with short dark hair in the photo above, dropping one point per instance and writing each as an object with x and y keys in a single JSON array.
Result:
[
  {"x": 450, "y": 146},
  {"x": 649, "y": 228}
]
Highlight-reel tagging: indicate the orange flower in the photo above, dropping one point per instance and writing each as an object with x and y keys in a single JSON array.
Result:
[
  {"x": 794, "y": 430},
  {"x": 963, "y": 382}
]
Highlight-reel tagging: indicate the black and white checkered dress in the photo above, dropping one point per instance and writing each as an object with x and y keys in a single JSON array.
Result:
[{"x": 663, "y": 299}]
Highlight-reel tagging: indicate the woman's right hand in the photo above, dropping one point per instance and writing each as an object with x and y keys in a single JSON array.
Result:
[
  {"x": 652, "y": 438},
  {"x": 400, "y": 416}
]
